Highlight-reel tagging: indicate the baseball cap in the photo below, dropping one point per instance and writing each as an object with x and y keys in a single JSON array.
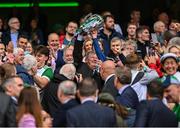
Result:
[{"x": 168, "y": 55}]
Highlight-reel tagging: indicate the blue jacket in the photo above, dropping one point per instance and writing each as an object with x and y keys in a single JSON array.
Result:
[
  {"x": 22, "y": 72},
  {"x": 107, "y": 40}
]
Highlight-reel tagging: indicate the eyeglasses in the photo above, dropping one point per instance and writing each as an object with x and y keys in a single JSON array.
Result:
[{"x": 16, "y": 22}]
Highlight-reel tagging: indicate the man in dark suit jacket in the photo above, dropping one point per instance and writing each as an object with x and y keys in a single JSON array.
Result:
[
  {"x": 8, "y": 111},
  {"x": 50, "y": 101},
  {"x": 107, "y": 74},
  {"x": 66, "y": 95},
  {"x": 90, "y": 68},
  {"x": 153, "y": 112},
  {"x": 90, "y": 114},
  {"x": 127, "y": 96}
]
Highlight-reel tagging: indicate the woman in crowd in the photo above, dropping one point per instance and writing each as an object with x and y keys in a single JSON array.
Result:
[
  {"x": 29, "y": 110},
  {"x": 44, "y": 73}
]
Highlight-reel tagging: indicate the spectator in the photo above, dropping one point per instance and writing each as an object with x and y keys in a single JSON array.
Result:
[
  {"x": 13, "y": 87},
  {"x": 84, "y": 115},
  {"x": 131, "y": 31},
  {"x": 44, "y": 73},
  {"x": 172, "y": 95},
  {"x": 108, "y": 32},
  {"x": 141, "y": 75},
  {"x": 67, "y": 96},
  {"x": 70, "y": 31},
  {"x": 67, "y": 72},
  {"x": 8, "y": 111},
  {"x": 152, "y": 112},
  {"x": 143, "y": 40},
  {"x": 107, "y": 71},
  {"x": 22, "y": 42},
  {"x": 13, "y": 32},
  {"x": 29, "y": 109},
  {"x": 127, "y": 96}
]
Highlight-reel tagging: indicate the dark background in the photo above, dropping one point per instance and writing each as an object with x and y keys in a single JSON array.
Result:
[{"x": 120, "y": 8}]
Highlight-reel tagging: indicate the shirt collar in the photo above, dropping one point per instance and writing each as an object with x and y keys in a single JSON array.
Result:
[
  {"x": 87, "y": 99},
  {"x": 109, "y": 77},
  {"x": 123, "y": 88}
]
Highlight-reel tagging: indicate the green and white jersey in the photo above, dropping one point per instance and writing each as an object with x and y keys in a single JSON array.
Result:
[{"x": 45, "y": 72}]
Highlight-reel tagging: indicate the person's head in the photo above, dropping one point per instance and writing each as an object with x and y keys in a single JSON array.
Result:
[
  {"x": 71, "y": 28},
  {"x": 132, "y": 61},
  {"x": 66, "y": 90},
  {"x": 169, "y": 63},
  {"x": 159, "y": 27},
  {"x": 42, "y": 55},
  {"x": 88, "y": 88},
  {"x": 174, "y": 41},
  {"x": 22, "y": 42},
  {"x": 155, "y": 89},
  {"x": 29, "y": 48},
  {"x": 34, "y": 23},
  {"x": 109, "y": 22},
  {"x": 68, "y": 56},
  {"x": 142, "y": 34},
  {"x": 168, "y": 35},
  {"x": 28, "y": 103},
  {"x": 2, "y": 49},
  {"x": 123, "y": 77},
  {"x": 174, "y": 49},
  {"x": 163, "y": 16},
  {"x": 53, "y": 41},
  {"x": 68, "y": 70},
  {"x": 115, "y": 45},
  {"x": 91, "y": 59},
  {"x": 174, "y": 25},
  {"x": 19, "y": 55},
  {"x": 107, "y": 68},
  {"x": 130, "y": 46},
  {"x": 14, "y": 23},
  {"x": 13, "y": 86},
  {"x": 29, "y": 62},
  {"x": 88, "y": 45},
  {"x": 135, "y": 15},
  {"x": 172, "y": 93},
  {"x": 131, "y": 30},
  {"x": 10, "y": 70}
]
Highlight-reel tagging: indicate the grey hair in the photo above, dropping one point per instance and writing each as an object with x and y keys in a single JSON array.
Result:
[
  {"x": 131, "y": 42},
  {"x": 68, "y": 70},
  {"x": 174, "y": 41},
  {"x": 156, "y": 24},
  {"x": 11, "y": 20},
  {"x": 67, "y": 87},
  {"x": 16, "y": 51},
  {"x": 8, "y": 82},
  {"x": 29, "y": 61},
  {"x": 64, "y": 53}
]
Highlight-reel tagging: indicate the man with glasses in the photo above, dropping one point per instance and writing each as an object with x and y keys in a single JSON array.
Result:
[
  {"x": 12, "y": 87},
  {"x": 13, "y": 32}
]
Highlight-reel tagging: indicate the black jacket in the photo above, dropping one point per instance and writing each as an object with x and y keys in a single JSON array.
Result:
[
  {"x": 50, "y": 101},
  {"x": 90, "y": 114},
  {"x": 7, "y": 111}
]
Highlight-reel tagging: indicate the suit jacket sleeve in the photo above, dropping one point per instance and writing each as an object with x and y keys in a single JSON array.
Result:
[
  {"x": 11, "y": 114},
  {"x": 141, "y": 115},
  {"x": 70, "y": 118}
]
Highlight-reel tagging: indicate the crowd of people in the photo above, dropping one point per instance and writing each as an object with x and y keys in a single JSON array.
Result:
[{"x": 103, "y": 78}]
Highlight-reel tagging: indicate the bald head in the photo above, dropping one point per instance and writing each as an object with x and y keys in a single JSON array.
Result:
[{"x": 107, "y": 68}]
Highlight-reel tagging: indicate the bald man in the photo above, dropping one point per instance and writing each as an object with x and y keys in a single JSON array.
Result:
[{"x": 107, "y": 74}]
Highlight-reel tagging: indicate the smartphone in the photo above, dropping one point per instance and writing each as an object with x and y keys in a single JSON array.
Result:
[{"x": 154, "y": 38}]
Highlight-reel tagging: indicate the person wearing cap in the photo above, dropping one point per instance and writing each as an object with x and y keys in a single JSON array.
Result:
[
  {"x": 169, "y": 63},
  {"x": 172, "y": 94}
]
